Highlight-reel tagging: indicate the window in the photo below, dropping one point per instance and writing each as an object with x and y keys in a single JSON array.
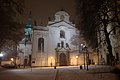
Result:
[
  {"x": 58, "y": 44},
  {"x": 62, "y": 17},
  {"x": 62, "y": 44},
  {"x": 62, "y": 34},
  {"x": 41, "y": 45}
]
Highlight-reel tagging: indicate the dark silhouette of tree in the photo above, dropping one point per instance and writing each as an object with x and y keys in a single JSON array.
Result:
[
  {"x": 108, "y": 17},
  {"x": 10, "y": 24},
  {"x": 87, "y": 11},
  {"x": 97, "y": 14}
]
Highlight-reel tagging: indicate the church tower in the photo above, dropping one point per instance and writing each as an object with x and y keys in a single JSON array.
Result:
[
  {"x": 28, "y": 41},
  {"x": 28, "y": 29}
]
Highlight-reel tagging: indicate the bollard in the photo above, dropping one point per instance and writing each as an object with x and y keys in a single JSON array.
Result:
[
  {"x": 80, "y": 67},
  {"x": 54, "y": 67}
]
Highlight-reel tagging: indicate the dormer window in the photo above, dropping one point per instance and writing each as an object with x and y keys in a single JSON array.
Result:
[
  {"x": 62, "y": 34},
  {"x": 62, "y": 17}
]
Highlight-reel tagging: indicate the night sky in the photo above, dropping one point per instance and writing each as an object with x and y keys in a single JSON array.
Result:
[{"x": 42, "y": 9}]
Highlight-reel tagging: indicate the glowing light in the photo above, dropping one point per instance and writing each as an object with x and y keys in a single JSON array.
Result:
[
  {"x": 81, "y": 44},
  {"x": 51, "y": 57},
  {"x": 12, "y": 59},
  {"x": 1, "y": 55},
  {"x": 76, "y": 56}
]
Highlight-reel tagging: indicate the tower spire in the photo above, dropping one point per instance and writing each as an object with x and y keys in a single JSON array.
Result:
[{"x": 29, "y": 22}]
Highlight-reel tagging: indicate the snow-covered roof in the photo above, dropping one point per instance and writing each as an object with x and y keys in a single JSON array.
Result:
[{"x": 40, "y": 28}]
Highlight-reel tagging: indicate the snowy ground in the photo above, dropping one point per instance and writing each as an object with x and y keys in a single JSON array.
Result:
[{"x": 61, "y": 73}]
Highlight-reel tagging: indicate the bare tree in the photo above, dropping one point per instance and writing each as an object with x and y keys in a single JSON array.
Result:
[
  {"x": 108, "y": 18},
  {"x": 95, "y": 14},
  {"x": 87, "y": 10},
  {"x": 10, "y": 26}
]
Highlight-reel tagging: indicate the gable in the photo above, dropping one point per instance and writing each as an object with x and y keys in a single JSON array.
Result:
[{"x": 62, "y": 23}]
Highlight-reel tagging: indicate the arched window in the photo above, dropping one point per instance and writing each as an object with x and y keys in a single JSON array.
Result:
[
  {"x": 62, "y": 34},
  {"x": 41, "y": 45},
  {"x": 62, "y": 17},
  {"x": 62, "y": 44}
]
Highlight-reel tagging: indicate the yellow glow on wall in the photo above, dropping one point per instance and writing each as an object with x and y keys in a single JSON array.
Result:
[
  {"x": 76, "y": 57},
  {"x": 74, "y": 60},
  {"x": 51, "y": 61}
]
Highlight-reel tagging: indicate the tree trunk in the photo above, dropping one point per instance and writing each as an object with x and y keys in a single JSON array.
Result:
[{"x": 109, "y": 46}]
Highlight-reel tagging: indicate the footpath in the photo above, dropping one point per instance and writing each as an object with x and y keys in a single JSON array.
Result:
[
  {"x": 63, "y": 73},
  {"x": 96, "y": 73}
]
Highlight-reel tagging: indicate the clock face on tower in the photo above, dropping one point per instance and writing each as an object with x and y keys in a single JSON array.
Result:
[{"x": 62, "y": 17}]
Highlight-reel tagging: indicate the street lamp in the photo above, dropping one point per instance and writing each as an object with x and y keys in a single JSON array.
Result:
[
  {"x": 82, "y": 45},
  {"x": 87, "y": 56},
  {"x": 51, "y": 61},
  {"x": 12, "y": 59},
  {"x": 83, "y": 49}
]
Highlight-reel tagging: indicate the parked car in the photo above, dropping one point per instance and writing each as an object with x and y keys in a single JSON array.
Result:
[{"x": 8, "y": 64}]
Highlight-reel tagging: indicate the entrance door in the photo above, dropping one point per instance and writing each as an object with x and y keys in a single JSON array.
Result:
[
  {"x": 25, "y": 62},
  {"x": 62, "y": 59}
]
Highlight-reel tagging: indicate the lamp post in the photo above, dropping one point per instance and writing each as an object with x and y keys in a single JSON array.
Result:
[
  {"x": 87, "y": 56},
  {"x": 83, "y": 49},
  {"x": 77, "y": 59},
  {"x": 51, "y": 61},
  {"x": 14, "y": 62}
]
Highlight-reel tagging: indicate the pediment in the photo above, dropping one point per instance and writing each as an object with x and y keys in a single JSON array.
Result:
[{"x": 62, "y": 23}]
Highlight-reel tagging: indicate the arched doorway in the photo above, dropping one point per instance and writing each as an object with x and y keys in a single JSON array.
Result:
[{"x": 62, "y": 60}]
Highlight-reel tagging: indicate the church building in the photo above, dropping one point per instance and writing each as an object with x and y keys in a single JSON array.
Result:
[{"x": 50, "y": 45}]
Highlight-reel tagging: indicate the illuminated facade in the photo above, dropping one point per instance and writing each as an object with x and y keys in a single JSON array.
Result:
[{"x": 51, "y": 45}]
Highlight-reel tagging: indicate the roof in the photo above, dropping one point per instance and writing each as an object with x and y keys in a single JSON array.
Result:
[
  {"x": 62, "y": 22},
  {"x": 40, "y": 28}
]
